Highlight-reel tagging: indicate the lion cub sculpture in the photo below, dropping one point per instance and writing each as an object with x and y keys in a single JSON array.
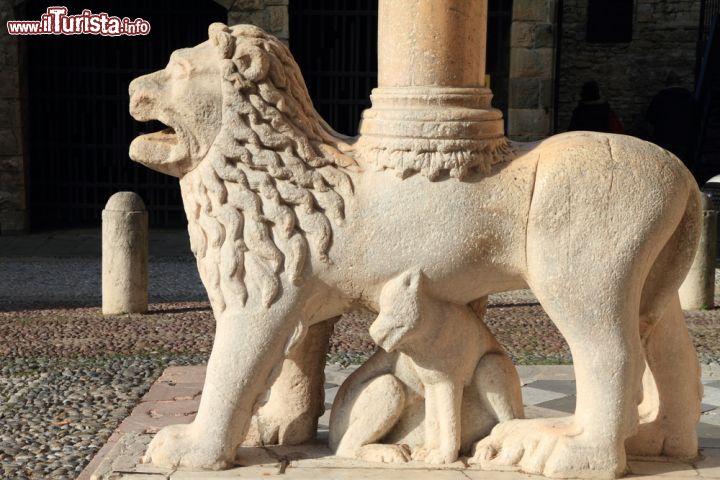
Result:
[{"x": 439, "y": 384}]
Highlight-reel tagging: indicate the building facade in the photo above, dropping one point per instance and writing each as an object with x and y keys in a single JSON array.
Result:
[
  {"x": 663, "y": 39},
  {"x": 542, "y": 52}
]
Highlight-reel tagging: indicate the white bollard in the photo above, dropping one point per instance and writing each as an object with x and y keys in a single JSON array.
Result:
[
  {"x": 698, "y": 290},
  {"x": 124, "y": 255}
]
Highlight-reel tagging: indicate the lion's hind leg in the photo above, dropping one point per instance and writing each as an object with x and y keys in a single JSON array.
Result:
[
  {"x": 672, "y": 391},
  {"x": 591, "y": 292}
]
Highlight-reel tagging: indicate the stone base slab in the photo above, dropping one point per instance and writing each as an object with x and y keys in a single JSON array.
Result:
[
  {"x": 316, "y": 462},
  {"x": 547, "y": 391}
]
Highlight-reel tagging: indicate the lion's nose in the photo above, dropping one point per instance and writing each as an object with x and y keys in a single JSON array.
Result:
[{"x": 143, "y": 91}]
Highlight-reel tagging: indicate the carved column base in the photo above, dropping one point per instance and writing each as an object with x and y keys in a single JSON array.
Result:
[{"x": 437, "y": 131}]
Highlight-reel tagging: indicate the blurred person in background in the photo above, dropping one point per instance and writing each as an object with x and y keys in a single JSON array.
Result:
[{"x": 593, "y": 113}]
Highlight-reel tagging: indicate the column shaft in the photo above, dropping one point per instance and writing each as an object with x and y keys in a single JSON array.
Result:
[{"x": 431, "y": 112}]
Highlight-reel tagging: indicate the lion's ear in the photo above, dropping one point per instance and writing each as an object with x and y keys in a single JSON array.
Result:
[{"x": 220, "y": 36}]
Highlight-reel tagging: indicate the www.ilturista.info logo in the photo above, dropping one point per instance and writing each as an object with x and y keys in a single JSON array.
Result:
[{"x": 56, "y": 21}]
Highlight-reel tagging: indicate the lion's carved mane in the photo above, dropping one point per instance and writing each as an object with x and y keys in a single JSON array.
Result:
[
  {"x": 263, "y": 199},
  {"x": 266, "y": 196}
]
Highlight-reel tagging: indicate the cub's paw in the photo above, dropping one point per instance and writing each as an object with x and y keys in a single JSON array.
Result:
[{"x": 378, "y": 452}]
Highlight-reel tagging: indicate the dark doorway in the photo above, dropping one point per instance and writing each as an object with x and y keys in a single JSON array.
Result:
[
  {"x": 335, "y": 44},
  {"x": 77, "y": 110}
]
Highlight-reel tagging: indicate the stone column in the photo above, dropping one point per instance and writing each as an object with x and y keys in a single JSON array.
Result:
[
  {"x": 431, "y": 111},
  {"x": 698, "y": 289},
  {"x": 124, "y": 255},
  {"x": 432, "y": 43}
]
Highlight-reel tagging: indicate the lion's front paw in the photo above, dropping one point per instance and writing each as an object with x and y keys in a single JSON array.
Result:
[
  {"x": 179, "y": 446},
  {"x": 435, "y": 456},
  {"x": 553, "y": 447}
]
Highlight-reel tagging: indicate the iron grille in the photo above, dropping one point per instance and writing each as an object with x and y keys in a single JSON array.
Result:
[
  {"x": 335, "y": 44},
  {"x": 79, "y": 126}
]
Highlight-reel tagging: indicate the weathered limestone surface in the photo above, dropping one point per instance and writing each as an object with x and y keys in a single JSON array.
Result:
[
  {"x": 124, "y": 255},
  {"x": 292, "y": 226},
  {"x": 119, "y": 459},
  {"x": 698, "y": 289},
  {"x": 271, "y": 15}
]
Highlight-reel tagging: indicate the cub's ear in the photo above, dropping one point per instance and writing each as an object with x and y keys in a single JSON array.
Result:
[{"x": 413, "y": 279}]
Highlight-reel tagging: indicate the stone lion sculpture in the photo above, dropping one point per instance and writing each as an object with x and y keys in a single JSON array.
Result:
[
  {"x": 292, "y": 225},
  {"x": 449, "y": 382}
]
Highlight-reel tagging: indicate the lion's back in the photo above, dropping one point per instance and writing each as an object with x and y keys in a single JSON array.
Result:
[{"x": 598, "y": 182}]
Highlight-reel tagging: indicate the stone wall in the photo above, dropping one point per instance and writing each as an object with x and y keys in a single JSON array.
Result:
[
  {"x": 532, "y": 69},
  {"x": 13, "y": 204},
  {"x": 270, "y": 15},
  {"x": 629, "y": 74}
]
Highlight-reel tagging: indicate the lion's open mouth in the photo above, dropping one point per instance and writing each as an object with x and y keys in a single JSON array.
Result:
[
  {"x": 166, "y": 135},
  {"x": 162, "y": 150}
]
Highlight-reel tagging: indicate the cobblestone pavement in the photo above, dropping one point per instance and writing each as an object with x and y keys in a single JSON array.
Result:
[
  {"x": 63, "y": 269},
  {"x": 68, "y": 375}
]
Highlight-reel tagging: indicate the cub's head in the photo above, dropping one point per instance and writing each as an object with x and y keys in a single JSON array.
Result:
[{"x": 401, "y": 311}]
